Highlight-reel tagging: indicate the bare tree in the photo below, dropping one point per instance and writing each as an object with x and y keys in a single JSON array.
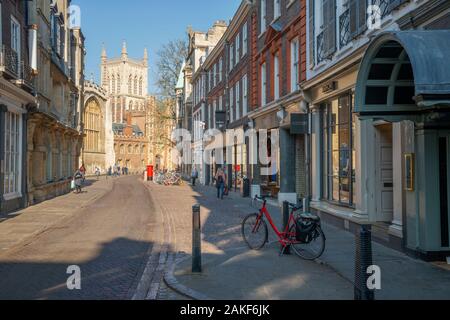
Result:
[{"x": 169, "y": 61}]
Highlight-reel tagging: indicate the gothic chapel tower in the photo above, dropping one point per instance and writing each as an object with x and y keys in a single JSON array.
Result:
[{"x": 126, "y": 83}]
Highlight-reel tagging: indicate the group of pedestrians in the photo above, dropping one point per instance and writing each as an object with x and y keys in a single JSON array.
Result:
[
  {"x": 117, "y": 171},
  {"x": 220, "y": 180}
]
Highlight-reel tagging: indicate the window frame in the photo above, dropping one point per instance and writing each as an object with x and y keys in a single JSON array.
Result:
[
  {"x": 328, "y": 150},
  {"x": 263, "y": 71},
  {"x": 13, "y": 171},
  {"x": 295, "y": 64}
]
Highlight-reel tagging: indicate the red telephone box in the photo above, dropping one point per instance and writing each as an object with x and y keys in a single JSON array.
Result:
[{"x": 150, "y": 173}]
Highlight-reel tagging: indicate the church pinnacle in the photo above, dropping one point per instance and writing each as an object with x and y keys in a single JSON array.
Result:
[{"x": 124, "y": 50}]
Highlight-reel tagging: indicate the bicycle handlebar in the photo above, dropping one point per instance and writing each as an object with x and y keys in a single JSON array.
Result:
[
  {"x": 263, "y": 198},
  {"x": 295, "y": 207}
]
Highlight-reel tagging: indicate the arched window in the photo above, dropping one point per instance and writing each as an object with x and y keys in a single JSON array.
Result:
[
  {"x": 130, "y": 149},
  {"x": 92, "y": 116},
  {"x": 131, "y": 106},
  {"x": 119, "y": 84},
  {"x": 122, "y": 149},
  {"x": 135, "y": 85},
  {"x": 136, "y": 149},
  {"x": 140, "y": 86}
]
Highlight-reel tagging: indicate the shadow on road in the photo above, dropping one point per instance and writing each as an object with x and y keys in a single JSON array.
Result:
[{"x": 112, "y": 275}]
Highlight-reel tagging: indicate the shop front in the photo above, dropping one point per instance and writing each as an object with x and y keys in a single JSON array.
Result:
[
  {"x": 266, "y": 167},
  {"x": 403, "y": 103},
  {"x": 380, "y": 143}
]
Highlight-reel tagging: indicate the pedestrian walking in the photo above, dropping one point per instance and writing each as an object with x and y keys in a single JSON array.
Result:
[
  {"x": 221, "y": 179},
  {"x": 97, "y": 173},
  {"x": 109, "y": 174},
  {"x": 194, "y": 176},
  {"x": 83, "y": 171},
  {"x": 78, "y": 178}
]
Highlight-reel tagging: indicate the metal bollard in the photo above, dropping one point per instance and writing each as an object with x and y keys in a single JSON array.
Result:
[
  {"x": 286, "y": 216},
  {"x": 196, "y": 240},
  {"x": 363, "y": 260}
]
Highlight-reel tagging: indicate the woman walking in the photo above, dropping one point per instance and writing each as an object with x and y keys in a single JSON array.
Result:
[
  {"x": 78, "y": 177},
  {"x": 221, "y": 179}
]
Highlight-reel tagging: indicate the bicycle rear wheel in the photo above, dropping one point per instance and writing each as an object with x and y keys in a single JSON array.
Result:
[
  {"x": 255, "y": 232},
  {"x": 313, "y": 248}
]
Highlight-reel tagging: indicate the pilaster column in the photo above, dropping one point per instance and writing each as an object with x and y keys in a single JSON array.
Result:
[
  {"x": 398, "y": 165},
  {"x": 3, "y": 110},
  {"x": 316, "y": 154}
]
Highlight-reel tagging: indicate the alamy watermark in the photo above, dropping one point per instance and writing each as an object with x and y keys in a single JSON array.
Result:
[
  {"x": 74, "y": 16},
  {"x": 207, "y": 147},
  {"x": 74, "y": 280},
  {"x": 374, "y": 280}
]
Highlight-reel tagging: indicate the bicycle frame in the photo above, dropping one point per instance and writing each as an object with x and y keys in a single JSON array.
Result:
[{"x": 283, "y": 238}]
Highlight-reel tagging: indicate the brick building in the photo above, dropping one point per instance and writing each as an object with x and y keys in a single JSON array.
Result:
[
  {"x": 280, "y": 68},
  {"x": 130, "y": 146}
]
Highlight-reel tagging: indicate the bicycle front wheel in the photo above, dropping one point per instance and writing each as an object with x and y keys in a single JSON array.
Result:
[
  {"x": 255, "y": 232},
  {"x": 313, "y": 248}
]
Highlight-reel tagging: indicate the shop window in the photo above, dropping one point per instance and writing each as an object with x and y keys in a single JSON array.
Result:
[{"x": 339, "y": 155}]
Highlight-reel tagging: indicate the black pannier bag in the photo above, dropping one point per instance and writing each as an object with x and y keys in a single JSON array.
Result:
[{"x": 305, "y": 230}]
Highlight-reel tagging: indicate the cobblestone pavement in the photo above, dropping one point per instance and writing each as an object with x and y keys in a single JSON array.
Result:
[{"x": 110, "y": 239}]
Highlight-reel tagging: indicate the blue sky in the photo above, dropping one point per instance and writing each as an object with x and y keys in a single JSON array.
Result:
[{"x": 144, "y": 23}]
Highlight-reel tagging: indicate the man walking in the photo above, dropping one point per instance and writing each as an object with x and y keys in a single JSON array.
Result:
[{"x": 194, "y": 176}]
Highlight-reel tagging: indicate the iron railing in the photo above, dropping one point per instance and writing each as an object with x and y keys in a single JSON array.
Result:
[
  {"x": 320, "y": 48},
  {"x": 15, "y": 68},
  {"x": 26, "y": 74},
  {"x": 344, "y": 28},
  {"x": 9, "y": 61}
]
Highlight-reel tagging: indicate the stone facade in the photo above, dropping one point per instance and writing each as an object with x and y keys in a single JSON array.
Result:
[
  {"x": 55, "y": 125},
  {"x": 125, "y": 81},
  {"x": 98, "y": 146},
  {"x": 16, "y": 88}
]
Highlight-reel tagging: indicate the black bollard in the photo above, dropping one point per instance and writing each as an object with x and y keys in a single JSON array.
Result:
[
  {"x": 363, "y": 260},
  {"x": 286, "y": 215},
  {"x": 196, "y": 240}
]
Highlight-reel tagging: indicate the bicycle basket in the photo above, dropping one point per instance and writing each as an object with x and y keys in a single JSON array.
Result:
[{"x": 305, "y": 231}]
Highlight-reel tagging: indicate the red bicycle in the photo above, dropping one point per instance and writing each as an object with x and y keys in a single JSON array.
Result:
[{"x": 303, "y": 232}]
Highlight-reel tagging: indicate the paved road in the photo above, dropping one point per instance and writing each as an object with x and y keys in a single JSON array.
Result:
[{"x": 110, "y": 240}]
